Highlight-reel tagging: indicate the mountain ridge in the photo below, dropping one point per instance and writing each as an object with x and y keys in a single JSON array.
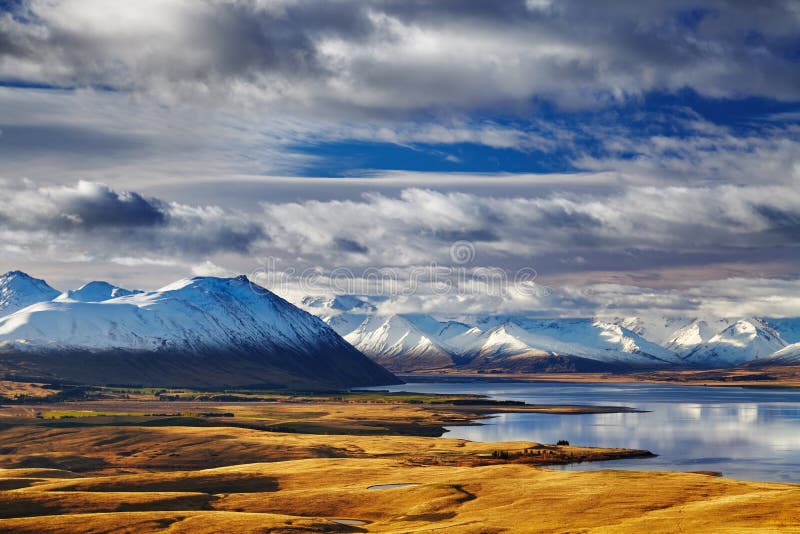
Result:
[
  {"x": 180, "y": 331},
  {"x": 601, "y": 343},
  {"x": 19, "y": 290}
]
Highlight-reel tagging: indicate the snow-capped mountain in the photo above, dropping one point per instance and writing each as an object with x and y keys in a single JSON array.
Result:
[
  {"x": 577, "y": 338},
  {"x": 18, "y": 290},
  {"x": 789, "y": 355},
  {"x": 398, "y": 343},
  {"x": 96, "y": 291},
  {"x": 717, "y": 341},
  {"x": 197, "y": 331},
  {"x": 692, "y": 335},
  {"x": 338, "y": 303},
  {"x": 659, "y": 329},
  {"x": 413, "y": 341},
  {"x": 744, "y": 340},
  {"x": 787, "y": 327}
]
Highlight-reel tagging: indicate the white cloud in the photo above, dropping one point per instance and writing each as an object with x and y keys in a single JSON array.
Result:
[
  {"x": 410, "y": 55},
  {"x": 710, "y": 153},
  {"x": 129, "y": 261},
  {"x": 673, "y": 249},
  {"x": 420, "y": 225},
  {"x": 209, "y": 268}
]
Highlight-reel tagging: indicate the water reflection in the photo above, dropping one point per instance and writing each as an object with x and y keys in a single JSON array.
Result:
[{"x": 745, "y": 433}]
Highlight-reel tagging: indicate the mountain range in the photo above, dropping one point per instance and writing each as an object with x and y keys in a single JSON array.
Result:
[
  {"x": 197, "y": 332},
  {"x": 518, "y": 343},
  {"x": 213, "y": 332}
]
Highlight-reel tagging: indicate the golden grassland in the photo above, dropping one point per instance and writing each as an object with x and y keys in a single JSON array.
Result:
[
  {"x": 306, "y": 463},
  {"x": 10, "y": 389}
]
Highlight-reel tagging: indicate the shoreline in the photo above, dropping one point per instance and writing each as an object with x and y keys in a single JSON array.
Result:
[
  {"x": 677, "y": 378},
  {"x": 148, "y": 458}
]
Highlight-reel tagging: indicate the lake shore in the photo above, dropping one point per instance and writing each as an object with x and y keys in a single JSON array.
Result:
[
  {"x": 305, "y": 463},
  {"x": 787, "y": 377}
]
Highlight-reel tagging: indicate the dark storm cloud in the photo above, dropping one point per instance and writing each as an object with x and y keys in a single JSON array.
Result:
[
  {"x": 98, "y": 220},
  {"x": 105, "y": 207}
]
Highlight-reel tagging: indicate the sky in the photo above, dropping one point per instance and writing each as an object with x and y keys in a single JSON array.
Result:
[{"x": 558, "y": 158}]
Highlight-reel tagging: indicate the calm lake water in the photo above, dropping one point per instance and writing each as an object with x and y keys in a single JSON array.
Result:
[{"x": 748, "y": 434}]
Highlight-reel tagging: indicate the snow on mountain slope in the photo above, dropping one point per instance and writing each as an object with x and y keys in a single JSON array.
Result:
[
  {"x": 659, "y": 329},
  {"x": 96, "y": 291},
  {"x": 439, "y": 331},
  {"x": 344, "y": 323},
  {"x": 397, "y": 343},
  {"x": 416, "y": 341},
  {"x": 190, "y": 314},
  {"x": 788, "y": 355},
  {"x": 504, "y": 341},
  {"x": 400, "y": 342},
  {"x": 697, "y": 332},
  {"x": 587, "y": 338},
  {"x": 788, "y": 328},
  {"x": 197, "y": 316},
  {"x": 638, "y": 341},
  {"x": 18, "y": 290},
  {"x": 337, "y": 303},
  {"x": 743, "y": 341},
  {"x": 466, "y": 342}
]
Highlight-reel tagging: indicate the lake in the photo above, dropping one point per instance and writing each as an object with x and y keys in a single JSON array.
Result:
[{"x": 747, "y": 434}]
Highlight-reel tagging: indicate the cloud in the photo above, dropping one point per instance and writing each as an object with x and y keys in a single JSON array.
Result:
[
  {"x": 129, "y": 261},
  {"x": 103, "y": 223},
  {"x": 641, "y": 233},
  {"x": 672, "y": 249},
  {"x": 730, "y": 297},
  {"x": 701, "y": 152},
  {"x": 193, "y": 112},
  {"x": 209, "y": 268},
  {"x": 420, "y": 225},
  {"x": 349, "y": 245},
  {"x": 90, "y": 205},
  {"x": 391, "y": 56}
]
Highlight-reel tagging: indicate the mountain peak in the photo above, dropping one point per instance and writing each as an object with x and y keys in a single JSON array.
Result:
[
  {"x": 19, "y": 290},
  {"x": 201, "y": 331},
  {"x": 206, "y": 282},
  {"x": 20, "y": 277},
  {"x": 14, "y": 274},
  {"x": 743, "y": 340},
  {"x": 96, "y": 291}
]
